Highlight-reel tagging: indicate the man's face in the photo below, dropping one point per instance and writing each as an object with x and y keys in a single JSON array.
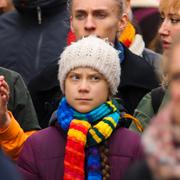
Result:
[
  {"x": 3, "y": 5},
  {"x": 99, "y": 17}
]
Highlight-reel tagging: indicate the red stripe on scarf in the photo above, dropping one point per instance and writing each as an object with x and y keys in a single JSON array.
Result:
[
  {"x": 74, "y": 153},
  {"x": 79, "y": 127}
]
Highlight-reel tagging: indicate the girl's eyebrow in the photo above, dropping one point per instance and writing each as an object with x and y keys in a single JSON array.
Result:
[{"x": 173, "y": 14}]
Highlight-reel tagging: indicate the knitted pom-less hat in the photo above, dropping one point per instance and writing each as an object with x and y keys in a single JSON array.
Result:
[{"x": 91, "y": 52}]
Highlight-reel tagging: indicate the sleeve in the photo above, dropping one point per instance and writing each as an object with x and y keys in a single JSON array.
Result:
[
  {"x": 22, "y": 106},
  {"x": 144, "y": 112},
  {"x": 12, "y": 138},
  {"x": 26, "y": 162}
]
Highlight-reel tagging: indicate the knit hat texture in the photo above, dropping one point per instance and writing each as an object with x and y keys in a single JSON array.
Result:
[{"x": 91, "y": 52}]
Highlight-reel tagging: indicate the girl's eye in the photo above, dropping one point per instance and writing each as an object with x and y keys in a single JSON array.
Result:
[
  {"x": 95, "y": 78},
  {"x": 174, "y": 20},
  {"x": 162, "y": 18},
  {"x": 74, "y": 77}
]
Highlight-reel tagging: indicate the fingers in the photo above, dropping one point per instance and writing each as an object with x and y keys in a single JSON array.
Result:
[{"x": 4, "y": 90}]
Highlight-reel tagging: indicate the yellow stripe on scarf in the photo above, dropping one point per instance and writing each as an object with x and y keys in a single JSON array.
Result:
[
  {"x": 107, "y": 131},
  {"x": 77, "y": 135},
  {"x": 95, "y": 136},
  {"x": 103, "y": 128},
  {"x": 112, "y": 105}
]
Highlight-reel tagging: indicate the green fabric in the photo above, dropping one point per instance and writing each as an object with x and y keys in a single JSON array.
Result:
[
  {"x": 144, "y": 111},
  {"x": 20, "y": 103}
]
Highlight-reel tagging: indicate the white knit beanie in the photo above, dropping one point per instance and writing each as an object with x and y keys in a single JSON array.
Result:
[{"x": 91, "y": 52}]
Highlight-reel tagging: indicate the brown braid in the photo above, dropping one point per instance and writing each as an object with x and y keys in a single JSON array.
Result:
[{"x": 105, "y": 167}]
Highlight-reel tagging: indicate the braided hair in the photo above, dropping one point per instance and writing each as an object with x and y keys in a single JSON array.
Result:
[{"x": 105, "y": 166}]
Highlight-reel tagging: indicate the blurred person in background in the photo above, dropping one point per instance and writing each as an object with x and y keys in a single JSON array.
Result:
[
  {"x": 157, "y": 98},
  {"x": 161, "y": 139}
]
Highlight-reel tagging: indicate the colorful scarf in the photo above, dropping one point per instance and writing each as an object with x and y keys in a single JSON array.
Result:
[{"x": 85, "y": 130}]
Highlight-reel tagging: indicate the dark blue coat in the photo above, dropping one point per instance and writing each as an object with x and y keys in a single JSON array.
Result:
[{"x": 29, "y": 44}]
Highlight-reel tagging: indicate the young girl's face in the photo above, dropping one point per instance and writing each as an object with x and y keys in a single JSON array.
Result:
[{"x": 85, "y": 89}]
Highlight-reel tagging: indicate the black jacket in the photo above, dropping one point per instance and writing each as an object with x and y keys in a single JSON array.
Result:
[
  {"x": 33, "y": 36},
  {"x": 137, "y": 78}
]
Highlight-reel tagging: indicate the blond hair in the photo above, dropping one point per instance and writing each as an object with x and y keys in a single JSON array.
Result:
[{"x": 167, "y": 5}]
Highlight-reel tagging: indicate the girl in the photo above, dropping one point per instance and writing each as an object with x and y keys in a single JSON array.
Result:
[{"x": 84, "y": 140}]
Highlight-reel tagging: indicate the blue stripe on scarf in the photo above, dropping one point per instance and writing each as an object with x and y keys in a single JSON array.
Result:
[
  {"x": 94, "y": 164},
  {"x": 66, "y": 113}
]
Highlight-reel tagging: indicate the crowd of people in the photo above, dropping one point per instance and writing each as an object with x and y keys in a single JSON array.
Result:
[{"x": 81, "y": 94}]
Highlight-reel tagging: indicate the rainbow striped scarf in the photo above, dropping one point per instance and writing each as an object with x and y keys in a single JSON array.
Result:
[{"x": 85, "y": 130}]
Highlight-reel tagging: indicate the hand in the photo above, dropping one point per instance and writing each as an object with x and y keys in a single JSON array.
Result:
[{"x": 4, "y": 97}]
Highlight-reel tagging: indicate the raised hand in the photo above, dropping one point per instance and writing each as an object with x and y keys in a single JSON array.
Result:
[{"x": 4, "y": 97}]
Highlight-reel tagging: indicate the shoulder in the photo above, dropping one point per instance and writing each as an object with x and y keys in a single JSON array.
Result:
[
  {"x": 150, "y": 55},
  {"x": 7, "y": 20},
  {"x": 135, "y": 59},
  {"x": 10, "y": 76},
  {"x": 154, "y": 59},
  {"x": 128, "y": 135},
  {"x": 125, "y": 143},
  {"x": 137, "y": 71},
  {"x": 144, "y": 111},
  {"x": 145, "y": 103},
  {"x": 8, "y": 72},
  {"x": 43, "y": 142},
  {"x": 46, "y": 135}
]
